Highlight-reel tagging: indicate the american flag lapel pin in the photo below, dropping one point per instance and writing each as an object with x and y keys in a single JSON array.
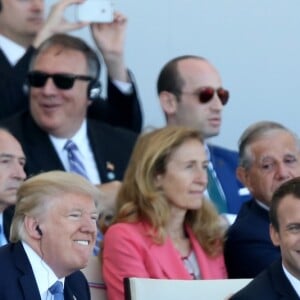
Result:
[{"x": 110, "y": 167}]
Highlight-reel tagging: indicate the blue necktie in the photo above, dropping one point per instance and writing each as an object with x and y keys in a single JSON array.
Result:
[
  {"x": 76, "y": 165},
  {"x": 57, "y": 290},
  {"x": 215, "y": 191}
]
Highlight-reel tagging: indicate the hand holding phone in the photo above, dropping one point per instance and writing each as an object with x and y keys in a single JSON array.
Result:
[{"x": 95, "y": 11}]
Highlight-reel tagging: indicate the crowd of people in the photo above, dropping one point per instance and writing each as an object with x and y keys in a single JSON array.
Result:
[{"x": 77, "y": 176}]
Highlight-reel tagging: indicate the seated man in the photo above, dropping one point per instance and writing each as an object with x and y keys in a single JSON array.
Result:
[
  {"x": 269, "y": 156},
  {"x": 12, "y": 162},
  {"x": 52, "y": 236},
  {"x": 22, "y": 30},
  {"x": 281, "y": 279}
]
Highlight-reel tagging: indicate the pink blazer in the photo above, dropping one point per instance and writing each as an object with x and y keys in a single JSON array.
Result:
[{"x": 130, "y": 252}]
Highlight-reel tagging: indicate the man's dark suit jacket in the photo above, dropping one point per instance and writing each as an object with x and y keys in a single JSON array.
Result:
[
  {"x": 17, "y": 281},
  {"x": 111, "y": 146},
  {"x": 7, "y": 219},
  {"x": 271, "y": 284},
  {"x": 118, "y": 110},
  {"x": 225, "y": 163},
  {"x": 248, "y": 249}
]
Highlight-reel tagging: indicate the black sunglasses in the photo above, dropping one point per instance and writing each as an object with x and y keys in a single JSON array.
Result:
[
  {"x": 205, "y": 94},
  {"x": 61, "y": 80}
]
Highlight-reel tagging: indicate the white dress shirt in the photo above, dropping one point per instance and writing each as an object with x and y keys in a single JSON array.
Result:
[
  {"x": 85, "y": 152},
  {"x": 12, "y": 51},
  {"x": 43, "y": 274},
  {"x": 295, "y": 282},
  {"x": 3, "y": 240}
]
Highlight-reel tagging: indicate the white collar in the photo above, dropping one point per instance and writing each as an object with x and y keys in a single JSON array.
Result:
[
  {"x": 12, "y": 50},
  {"x": 295, "y": 282},
  {"x": 43, "y": 274},
  {"x": 262, "y": 205},
  {"x": 79, "y": 138}
]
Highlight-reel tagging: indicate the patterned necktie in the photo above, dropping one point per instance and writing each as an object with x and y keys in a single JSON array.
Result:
[
  {"x": 57, "y": 290},
  {"x": 76, "y": 165},
  {"x": 215, "y": 191}
]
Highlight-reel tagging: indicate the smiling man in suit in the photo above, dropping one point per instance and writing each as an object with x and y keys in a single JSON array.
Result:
[
  {"x": 191, "y": 93},
  {"x": 281, "y": 279},
  {"x": 52, "y": 236},
  {"x": 23, "y": 29}
]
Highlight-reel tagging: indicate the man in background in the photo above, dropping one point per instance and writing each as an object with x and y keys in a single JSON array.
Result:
[
  {"x": 191, "y": 94},
  {"x": 22, "y": 30},
  {"x": 269, "y": 156},
  {"x": 12, "y": 161}
]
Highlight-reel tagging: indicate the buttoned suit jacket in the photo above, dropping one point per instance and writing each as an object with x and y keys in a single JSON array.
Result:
[
  {"x": 129, "y": 251},
  {"x": 17, "y": 280},
  {"x": 248, "y": 248},
  {"x": 111, "y": 146},
  {"x": 225, "y": 163},
  {"x": 118, "y": 110},
  {"x": 271, "y": 284}
]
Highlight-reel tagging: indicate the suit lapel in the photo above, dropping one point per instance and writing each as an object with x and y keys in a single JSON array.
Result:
[
  {"x": 27, "y": 280},
  {"x": 281, "y": 284},
  {"x": 169, "y": 260}
]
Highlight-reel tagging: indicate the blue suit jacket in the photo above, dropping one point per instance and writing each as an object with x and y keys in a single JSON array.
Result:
[
  {"x": 248, "y": 249},
  {"x": 17, "y": 280},
  {"x": 225, "y": 163},
  {"x": 271, "y": 284}
]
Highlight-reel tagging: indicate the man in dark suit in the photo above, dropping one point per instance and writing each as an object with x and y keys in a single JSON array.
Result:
[
  {"x": 12, "y": 161},
  {"x": 22, "y": 30},
  {"x": 52, "y": 236},
  {"x": 269, "y": 156},
  {"x": 191, "y": 94},
  {"x": 281, "y": 279}
]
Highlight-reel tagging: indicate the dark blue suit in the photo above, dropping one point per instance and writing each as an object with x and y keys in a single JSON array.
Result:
[
  {"x": 225, "y": 163},
  {"x": 271, "y": 284},
  {"x": 248, "y": 249},
  {"x": 17, "y": 281}
]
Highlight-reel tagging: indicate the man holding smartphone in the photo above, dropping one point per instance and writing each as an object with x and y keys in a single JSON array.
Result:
[{"x": 22, "y": 30}]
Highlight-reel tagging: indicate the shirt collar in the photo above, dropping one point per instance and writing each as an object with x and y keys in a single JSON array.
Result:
[
  {"x": 12, "y": 50},
  {"x": 43, "y": 274},
  {"x": 295, "y": 282},
  {"x": 79, "y": 138}
]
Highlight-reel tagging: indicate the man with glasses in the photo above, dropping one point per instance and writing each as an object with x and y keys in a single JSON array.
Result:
[
  {"x": 22, "y": 30},
  {"x": 191, "y": 94}
]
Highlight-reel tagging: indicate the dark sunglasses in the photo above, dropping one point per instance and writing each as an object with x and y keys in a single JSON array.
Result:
[
  {"x": 207, "y": 93},
  {"x": 62, "y": 81}
]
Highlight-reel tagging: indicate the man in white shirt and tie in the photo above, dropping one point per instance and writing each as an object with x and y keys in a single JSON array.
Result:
[{"x": 12, "y": 162}]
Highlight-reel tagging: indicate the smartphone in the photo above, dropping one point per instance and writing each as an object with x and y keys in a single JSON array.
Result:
[{"x": 95, "y": 11}]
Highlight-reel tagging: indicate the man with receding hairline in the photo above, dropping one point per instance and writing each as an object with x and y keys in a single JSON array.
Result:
[
  {"x": 12, "y": 161},
  {"x": 269, "y": 156}
]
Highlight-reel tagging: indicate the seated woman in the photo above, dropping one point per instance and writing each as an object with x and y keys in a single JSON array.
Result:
[{"x": 163, "y": 226}]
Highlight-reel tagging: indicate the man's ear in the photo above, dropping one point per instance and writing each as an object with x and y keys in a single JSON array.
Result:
[
  {"x": 31, "y": 224},
  {"x": 242, "y": 175},
  {"x": 274, "y": 234},
  {"x": 168, "y": 102}
]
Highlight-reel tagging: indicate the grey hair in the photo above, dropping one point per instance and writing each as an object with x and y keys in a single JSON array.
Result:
[{"x": 255, "y": 132}]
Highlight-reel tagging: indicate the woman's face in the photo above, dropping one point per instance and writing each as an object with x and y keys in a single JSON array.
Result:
[{"x": 185, "y": 179}]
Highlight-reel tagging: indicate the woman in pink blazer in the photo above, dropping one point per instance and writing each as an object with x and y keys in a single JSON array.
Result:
[{"x": 164, "y": 227}]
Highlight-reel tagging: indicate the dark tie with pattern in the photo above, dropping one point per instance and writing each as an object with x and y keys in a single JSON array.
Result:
[
  {"x": 76, "y": 165},
  {"x": 57, "y": 290},
  {"x": 215, "y": 191}
]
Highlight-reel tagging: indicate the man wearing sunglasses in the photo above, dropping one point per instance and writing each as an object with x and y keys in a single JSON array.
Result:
[
  {"x": 191, "y": 94},
  {"x": 22, "y": 30}
]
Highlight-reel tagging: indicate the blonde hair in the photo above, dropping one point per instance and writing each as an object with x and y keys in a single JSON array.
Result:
[
  {"x": 139, "y": 198},
  {"x": 34, "y": 194}
]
